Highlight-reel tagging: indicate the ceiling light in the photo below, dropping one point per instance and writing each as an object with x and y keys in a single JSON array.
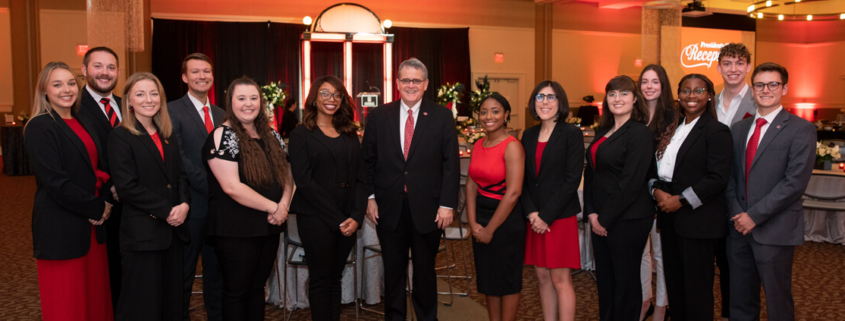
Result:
[
  {"x": 780, "y": 17},
  {"x": 307, "y": 20}
]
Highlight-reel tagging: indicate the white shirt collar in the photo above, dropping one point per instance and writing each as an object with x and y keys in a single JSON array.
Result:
[
  {"x": 97, "y": 96},
  {"x": 770, "y": 117},
  {"x": 197, "y": 104},
  {"x": 415, "y": 108}
]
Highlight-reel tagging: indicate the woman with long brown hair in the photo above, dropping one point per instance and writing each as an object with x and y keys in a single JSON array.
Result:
[
  {"x": 616, "y": 200},
  {"x": 146, "y": 166},
  {"x": 71, "y": 202},
  {"x": 331, "y": 190},
  {"x": 250, "y": 188}
]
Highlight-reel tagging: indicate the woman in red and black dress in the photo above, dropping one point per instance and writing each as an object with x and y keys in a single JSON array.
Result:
[
  {"x": 495, "y": 216},
  {"x": 70, "y": 202},
  {"x": 554, "y": 160}
]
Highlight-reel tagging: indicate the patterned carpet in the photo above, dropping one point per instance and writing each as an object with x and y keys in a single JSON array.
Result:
[{"x": 818, "y": 277}]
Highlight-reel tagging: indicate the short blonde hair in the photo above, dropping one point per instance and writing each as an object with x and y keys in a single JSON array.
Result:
[
  {"x": 161, "y": 119},
  {"x": 40, "y": 104}
]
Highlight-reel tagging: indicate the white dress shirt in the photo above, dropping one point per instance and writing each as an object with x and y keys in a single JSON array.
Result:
[
  {"x": 666, "y": 165},
  {"x": 198, "y": 105},
  {"x": 403, "y": 117},
  {"x": 112, "y": 103},
  {"x": 726, "y": 117},
  {"x": 769, "y": 119}
]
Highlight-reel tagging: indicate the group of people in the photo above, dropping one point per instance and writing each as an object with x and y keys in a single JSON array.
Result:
[{"x": 131, "y": 191}]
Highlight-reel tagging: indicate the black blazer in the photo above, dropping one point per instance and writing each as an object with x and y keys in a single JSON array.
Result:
[
  {"x": 91, "y": 111},
  {"x": 703, "y": 163},
  {"x": 189, "y": 131},
  {"x": 65, "y": 183},
  {"x": 432, "y": 172},
  {"x": 148, "y": 188},
  {"x": 315, "y": 175},
  {"x": 554, "y": 192},
  {"x": 616, "y": 188}
]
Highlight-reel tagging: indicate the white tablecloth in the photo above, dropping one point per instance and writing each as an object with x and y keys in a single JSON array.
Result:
[{"x": 825, "y": 226}]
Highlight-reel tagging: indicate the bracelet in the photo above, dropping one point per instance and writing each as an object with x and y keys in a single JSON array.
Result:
[{"x": 274, "y": 212}]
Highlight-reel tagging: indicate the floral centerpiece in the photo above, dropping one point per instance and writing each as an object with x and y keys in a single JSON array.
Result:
[
  {"x": 23, "y": 117},
  {"x": 273, "y": 95},
  {"x": 826, "y": 154},
  {"x": 467, "y": 130},
  {"x": 449, "y": 95},
  {"x": 477, "y": 96},
  {"x": 574, "y": 120}
]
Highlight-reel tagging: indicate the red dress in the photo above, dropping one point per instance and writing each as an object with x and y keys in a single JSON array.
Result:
[
  {"x": 498, "y": 264},
  {"x": 558, "y": 248},
  {"x": 78, "y": 289}
]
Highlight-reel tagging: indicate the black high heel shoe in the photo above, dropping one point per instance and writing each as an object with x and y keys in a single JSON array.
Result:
[{"x": 649, "y": 312}]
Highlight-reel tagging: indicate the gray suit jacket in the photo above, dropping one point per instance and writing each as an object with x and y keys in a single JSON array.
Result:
[
  {"x": 779, "y": 175},
  {"x": 747, "y": 106},
  {"x": 190, "y": 132}
]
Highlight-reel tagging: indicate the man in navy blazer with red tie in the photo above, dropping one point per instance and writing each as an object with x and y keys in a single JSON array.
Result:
[
  {"x": 411, "y": 158},
  {"x": 774, "y": 154}
]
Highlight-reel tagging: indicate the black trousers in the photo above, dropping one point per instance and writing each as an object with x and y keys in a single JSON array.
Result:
[
  {"x": 753, "y": 264},
  {"x": 152, "y": 284},
  {"x": 113, "y": 252},
  {"x": 394, "y": 246},
  {"x": 617, "y": 259},
  {"x": 212, "y": 278},
  {"x": 246, "y": 263},
  {"x": 724, "y": 276},
  {"x": 326, "y": 252},
  {"x": 688, "y": 264}
]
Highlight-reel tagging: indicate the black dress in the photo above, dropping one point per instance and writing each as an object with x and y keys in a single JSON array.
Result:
[{"x": 245, "y": 243}]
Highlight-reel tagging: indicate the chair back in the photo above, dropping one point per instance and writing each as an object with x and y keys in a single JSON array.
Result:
[
  {"x": 292, "y": 232},
  {"x": 826, "y": 185}
]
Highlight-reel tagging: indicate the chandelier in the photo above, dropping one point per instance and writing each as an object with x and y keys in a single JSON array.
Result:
[{"x": 793, "y": 10}]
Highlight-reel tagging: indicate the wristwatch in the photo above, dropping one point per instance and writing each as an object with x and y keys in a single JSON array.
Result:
[{"x": 683, "y": 200}]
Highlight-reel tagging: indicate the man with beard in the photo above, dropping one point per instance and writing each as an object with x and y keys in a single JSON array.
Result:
[
  {"x": 102, "y": 109},
  {"x": 411, "y": 156},
  {"x": 193, "y": 118}
]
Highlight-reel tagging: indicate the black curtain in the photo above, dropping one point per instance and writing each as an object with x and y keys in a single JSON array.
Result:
[
  {"x": 172, "y": 41},
  {"x": 368, "y": 71},
  {"x": 445, "y": 53},
  {"x": 283, "y": 65}
]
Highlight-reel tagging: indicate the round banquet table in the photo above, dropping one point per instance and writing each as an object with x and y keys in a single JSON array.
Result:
[{"x": 821, "y": 225}]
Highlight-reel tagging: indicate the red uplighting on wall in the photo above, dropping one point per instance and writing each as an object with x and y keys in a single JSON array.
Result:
[
  {"x": 500, "y": 57},
  {"x": 806, "y": 111},
  {"x": 598, "y": 104},
  {"x": 638, "y": 62},
  {"x": 81, "y": 50},
  {"x": 805, "y": 106}
]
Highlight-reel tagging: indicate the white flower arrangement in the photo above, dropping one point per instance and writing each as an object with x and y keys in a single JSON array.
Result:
[
  {"x": 449, "y": 95},
  {"x": 827, "y": 152},
  {"x": 472, "y": 138},
  {"x": 273, "y": 96}
]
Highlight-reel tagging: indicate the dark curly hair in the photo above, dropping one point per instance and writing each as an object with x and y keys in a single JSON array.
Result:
[{"x": 343, "y": 120}]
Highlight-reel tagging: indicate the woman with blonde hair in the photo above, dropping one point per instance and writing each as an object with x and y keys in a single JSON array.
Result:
[
  {"x": 147, "y": 170},
  {"x": 71, "y": 202},
  {"x": 250, "y": 189}
]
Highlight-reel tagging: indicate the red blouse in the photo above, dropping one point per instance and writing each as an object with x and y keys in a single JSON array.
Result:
[
  {"x": 91, "y": 148},
  {"x": 157, "y": 141},
  {"x": 596, "y": 147},
  {"x": 540, "y": 147}
]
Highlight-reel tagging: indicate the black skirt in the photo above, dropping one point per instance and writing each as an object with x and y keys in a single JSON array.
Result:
[{"x": 498, "y": 264}]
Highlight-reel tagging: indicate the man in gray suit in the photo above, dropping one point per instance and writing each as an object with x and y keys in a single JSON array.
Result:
[
  {"x": 194, "y": 117},
  {"x": 733, "y": 104},
  {"x": 773, "y": 160}
]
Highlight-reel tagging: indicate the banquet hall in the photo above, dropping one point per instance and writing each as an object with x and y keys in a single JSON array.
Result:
[{"x": 504, "y": 46}]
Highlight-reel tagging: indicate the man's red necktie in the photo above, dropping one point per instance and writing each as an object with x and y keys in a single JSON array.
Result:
[
  {"x": 409, "y": 135},
  {"x": 110, "y": 113},
  {"x": 751, "y": 150},
  {"x": 209, "y": 126}
]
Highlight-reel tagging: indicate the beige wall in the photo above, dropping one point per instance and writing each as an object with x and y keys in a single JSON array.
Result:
[
  {"x": 584, "y": 61},
  {"x": 816, "y": 71},
  {"x": 6, "y": 88}
]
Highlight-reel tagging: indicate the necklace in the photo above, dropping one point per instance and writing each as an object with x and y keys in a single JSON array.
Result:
[{"x": 322, "y": 125}]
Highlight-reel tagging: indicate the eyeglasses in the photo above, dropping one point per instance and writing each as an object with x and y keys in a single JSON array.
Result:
[
  {"x": 622, "y": 94},
  {"x": 698, "y": 92},
  {"x": 551, "y": 97},
  {"x": 758, "y": 86},
  {"x": 325, "y": 95},
  {"x": 407, "y": 81}
]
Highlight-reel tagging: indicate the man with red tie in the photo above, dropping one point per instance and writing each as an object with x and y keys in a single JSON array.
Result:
[
  {"x": 102, "y": 109},
  {"x": 193, "y": 118},
  {"x": 774, "y": 154},
  {"x": 411, "y": 157}
]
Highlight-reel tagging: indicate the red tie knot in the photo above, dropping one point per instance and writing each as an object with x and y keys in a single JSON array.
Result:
[{"x": 761, "y": 121}]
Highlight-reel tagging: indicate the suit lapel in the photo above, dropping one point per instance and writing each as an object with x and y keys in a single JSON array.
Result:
[
  {"x": 147, "y": 141},
  {"x": 691, "y": 138},
  {"x": 774, "y": 129},
  {"x": 74, "y": 139},
  {"x": 419, "y": 129},
  {"x": 741, "y": 139},
  {"x": 323, "y": 139},
  {"x": 393, "y": 126},
  {"x": 93, "y": 107},
  {"x": 191, "y": 111},
  {"x": 530, "y": 142},
  {"x": 85, "y": 124},
  {"x": 557, "y": 133}
]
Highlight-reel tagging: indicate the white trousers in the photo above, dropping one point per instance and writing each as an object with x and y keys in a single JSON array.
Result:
[{"x": 649, "y": 265}]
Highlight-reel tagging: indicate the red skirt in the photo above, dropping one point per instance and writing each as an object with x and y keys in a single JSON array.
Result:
[
  {"x": 76, "y": 289},
  {"x": 556, "y": 249}
]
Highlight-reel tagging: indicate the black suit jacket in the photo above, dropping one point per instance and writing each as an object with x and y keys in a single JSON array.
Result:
[
  {"x": 431, "y": 174},
  {"x": 90, "y": 110},
  {"x": 315, "y": 175},
  {"x": 554, "y": 192},
  {"x": 616, "y": 188},
  {"x": 148, "y": 188},
  {"x": 65, "y": 184},
  {"x": 703, "y": 164},
  {"x": 189, "y": 131}
]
